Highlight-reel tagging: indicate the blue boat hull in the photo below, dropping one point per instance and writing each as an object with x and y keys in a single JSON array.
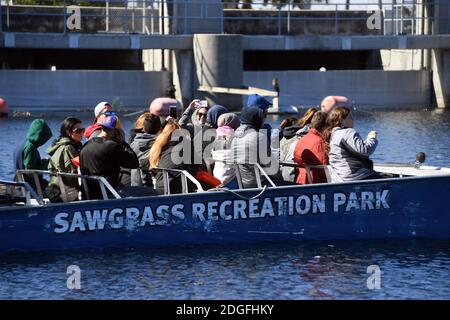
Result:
[{"x": 389, "y": 208}]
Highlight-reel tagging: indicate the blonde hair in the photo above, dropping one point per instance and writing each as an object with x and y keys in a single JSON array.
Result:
[
  {"x": 160, "y": 143},
  {"x": 139, "y": 124},
  {"x": 307, "y": 117}
]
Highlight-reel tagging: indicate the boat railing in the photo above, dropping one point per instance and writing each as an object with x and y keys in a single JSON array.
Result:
[
  {"x": 326, "y": 168},
  {"x": 185, "y": 177},
  {"x": 103, "y": 183},
  {"x": 13, "y": 191}
]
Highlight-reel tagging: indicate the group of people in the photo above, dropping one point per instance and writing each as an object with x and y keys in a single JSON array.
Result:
[{"x": 209, "y": 142}]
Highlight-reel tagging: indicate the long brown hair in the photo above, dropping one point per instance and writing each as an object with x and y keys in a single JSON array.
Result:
[
  {"x": 160, "y": 143},
  {"x": 307, "y": 117},
  {"x": 334, "y": 120},
  {"x": 139, "y": 124}
]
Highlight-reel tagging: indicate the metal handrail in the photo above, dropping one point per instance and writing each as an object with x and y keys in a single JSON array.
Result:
[
  {"x": 185, "y": 176},
  {"x": 27, "y": 191},
  {"x": 308, "y": 168},
  {"x": 103, "y": 183},
  {"x": 182, "y": 16}
]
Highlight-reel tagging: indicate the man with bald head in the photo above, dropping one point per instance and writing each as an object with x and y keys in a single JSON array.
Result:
[{"x": 331, "y": 102}]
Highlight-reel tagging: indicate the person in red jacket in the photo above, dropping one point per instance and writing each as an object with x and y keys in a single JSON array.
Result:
[{"x": 310, "y": 151}]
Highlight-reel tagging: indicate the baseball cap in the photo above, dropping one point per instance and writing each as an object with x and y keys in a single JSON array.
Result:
[
  {"x": 255, "y": 100},
  {"x": 110, "y": 122},
  {"x": 100, "y": 107}
]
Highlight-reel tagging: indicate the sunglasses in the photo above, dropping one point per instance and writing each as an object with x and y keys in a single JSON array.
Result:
[
  {"x": 201, "y": 115},
  {"x": 78, "y": 130},
  {"x": 109, "y": 113}
]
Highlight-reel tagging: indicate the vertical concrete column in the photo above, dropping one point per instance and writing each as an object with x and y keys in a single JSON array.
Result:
[
  {"x": 440, "y": 64},
  {"x": 219, "y": 63}
]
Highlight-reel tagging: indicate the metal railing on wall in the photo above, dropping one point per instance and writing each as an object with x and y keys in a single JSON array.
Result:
[{"x": 191, "y": 16}]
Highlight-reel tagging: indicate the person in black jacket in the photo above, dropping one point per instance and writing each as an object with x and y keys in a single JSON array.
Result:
[{"x": 104, "y": 155}]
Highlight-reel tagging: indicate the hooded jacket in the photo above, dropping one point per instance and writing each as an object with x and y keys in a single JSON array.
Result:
[
  {"x": 249, "y": 146},
  {"x": 349, "y": 154},
  {"x": 189, "y": 121},
  {"x": 222, "y": 153},
  {"x": 291, "y": 135},
  {"x": 309, "y": 151},
  {"x": 27, "y": 156},
  {"x": 141, "y": 145},
  {"x": 62, "y": 152},
  {"x": 213, "y": 115}
]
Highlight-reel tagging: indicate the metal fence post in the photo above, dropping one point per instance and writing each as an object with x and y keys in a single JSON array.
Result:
[
  {"x": 289, "y": 17},
  {"x": 401, "y": 18},
  {"x": 125, "y": 2},
  {"x": 393, "y": 23},
  {"x": 1, "y": 17},
  {"x": 336, "y": 20},
  {"x": 185, "y": 17},
  {"x": 65, "y": 17},
  {"x": 279, "y": 20},
  {"x": 107, "y": 16}
]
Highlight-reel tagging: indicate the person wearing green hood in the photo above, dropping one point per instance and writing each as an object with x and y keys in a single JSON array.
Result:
[
  {"x": 65, "y": 152},
  {"x": 27, "y": 156}
]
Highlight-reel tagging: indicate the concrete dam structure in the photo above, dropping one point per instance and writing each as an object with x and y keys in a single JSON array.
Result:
[{"x": 381, "y": 55}]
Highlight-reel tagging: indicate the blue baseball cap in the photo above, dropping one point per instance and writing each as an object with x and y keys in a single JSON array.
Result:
[
  {"x": 110, "y": 122},
  {"x": 255, "y": 100}
]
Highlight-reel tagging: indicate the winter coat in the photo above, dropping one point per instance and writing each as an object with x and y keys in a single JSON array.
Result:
[
  {"x": 249, "y": 146},
  {"x": 349, "y": 154},
  {"x": 141, "y": 145},
  {"x": 62, "y": 152},
  {"x": 101, "y": 157},
  {"x": 166, "y": 162},
  {"x": 309, "y": 150},
  {"x": 291, "y": 136},
  {"x": 27, "y": 156}
]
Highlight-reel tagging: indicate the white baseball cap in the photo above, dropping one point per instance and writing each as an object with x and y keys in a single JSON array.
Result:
[{"x": 100, "y": 107}]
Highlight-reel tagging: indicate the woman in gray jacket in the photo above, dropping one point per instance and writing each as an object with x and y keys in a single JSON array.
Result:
[{"x": 348, "y": 153}]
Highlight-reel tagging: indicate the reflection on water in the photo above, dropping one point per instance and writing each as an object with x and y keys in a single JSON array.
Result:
[{"x": 332, "y": 270}]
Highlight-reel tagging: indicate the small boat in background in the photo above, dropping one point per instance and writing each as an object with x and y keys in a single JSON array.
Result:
[{"x": 409, "y": 204}]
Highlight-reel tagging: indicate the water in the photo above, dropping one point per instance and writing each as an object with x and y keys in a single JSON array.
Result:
[{"x": 318, "y": 270}]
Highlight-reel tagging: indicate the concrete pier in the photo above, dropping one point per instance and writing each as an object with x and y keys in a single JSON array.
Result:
[{"x": 219, "y": 63}]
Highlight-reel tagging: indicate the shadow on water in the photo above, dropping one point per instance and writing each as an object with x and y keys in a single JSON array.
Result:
[{"x": 410, "y": 269}]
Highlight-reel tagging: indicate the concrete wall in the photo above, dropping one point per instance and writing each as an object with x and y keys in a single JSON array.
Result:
[
  {"x": 414, "y": 59},
  {"x": 53, "y": 90},
  {"x": 365, "y": 88}
]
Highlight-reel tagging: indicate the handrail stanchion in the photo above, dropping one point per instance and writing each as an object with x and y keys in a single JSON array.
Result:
[
  {"x": 257, "y": 176},
  {"x": 38, "y": 184},
  {"x": 103, "y": 190},
  {"x": 166, "y": 182}
]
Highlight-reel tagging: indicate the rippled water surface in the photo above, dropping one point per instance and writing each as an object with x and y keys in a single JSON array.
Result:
[{"x": 324, "y": 270}]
